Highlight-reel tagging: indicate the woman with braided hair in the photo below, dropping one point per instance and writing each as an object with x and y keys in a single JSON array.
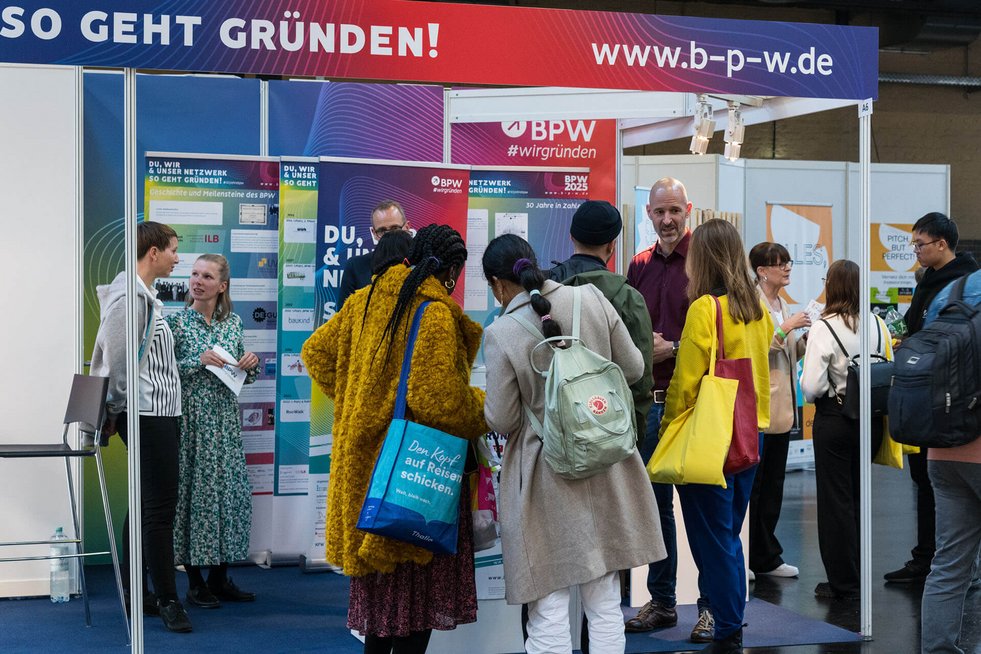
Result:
[
  {"x": 399, "y": 592},
  {"x": 555, "y": 532}
]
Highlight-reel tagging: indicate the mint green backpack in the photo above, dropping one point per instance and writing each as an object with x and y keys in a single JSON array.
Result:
[{"x": 589, "y": 411}]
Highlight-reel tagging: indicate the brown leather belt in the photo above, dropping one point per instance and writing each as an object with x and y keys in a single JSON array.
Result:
[{"x": 660, "y": 396}]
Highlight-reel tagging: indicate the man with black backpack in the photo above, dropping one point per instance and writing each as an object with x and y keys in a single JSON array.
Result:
[
  {"x": 934, "y": 242},
  {"x": 956, "y": 476}
]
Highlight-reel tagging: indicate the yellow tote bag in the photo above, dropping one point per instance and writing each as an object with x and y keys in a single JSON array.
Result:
[
  {"x": 694, "y": 446},
  {"x": 890, "y": 452}
]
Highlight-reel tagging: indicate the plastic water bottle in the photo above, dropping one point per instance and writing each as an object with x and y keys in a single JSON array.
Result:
[{"x": 59, "y": 567}]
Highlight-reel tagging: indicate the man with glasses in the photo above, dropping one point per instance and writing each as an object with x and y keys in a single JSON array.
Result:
[
  {"x": 388, "y": 216},
  {"x": 934, "y": 242}
]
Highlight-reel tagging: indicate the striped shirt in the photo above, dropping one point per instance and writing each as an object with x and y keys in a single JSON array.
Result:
[{"x": 160, "y": 384}]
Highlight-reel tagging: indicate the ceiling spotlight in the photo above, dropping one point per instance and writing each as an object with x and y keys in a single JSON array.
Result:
[
  {"x": 735, "y": 130},
  {"x": 703, "y": 127}
]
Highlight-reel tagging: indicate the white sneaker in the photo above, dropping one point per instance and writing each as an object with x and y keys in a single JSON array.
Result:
[
  {"x": 783, "y": 570},
  {"x": 752, "y": 575}
]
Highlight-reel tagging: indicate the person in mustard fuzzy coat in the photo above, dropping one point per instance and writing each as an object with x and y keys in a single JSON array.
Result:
[{"x": 399, "y": 592}]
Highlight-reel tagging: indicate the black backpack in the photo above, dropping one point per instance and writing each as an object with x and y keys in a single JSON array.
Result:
[
  {"x": 936, "y": 389},
  {"x": 880, "y": 372}
]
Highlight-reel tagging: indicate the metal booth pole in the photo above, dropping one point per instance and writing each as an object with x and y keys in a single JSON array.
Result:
[
  {"x": 132, "y": 367},
  {"x": 864, "y": 382}
]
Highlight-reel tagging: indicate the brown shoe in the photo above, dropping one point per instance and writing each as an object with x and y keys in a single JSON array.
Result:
[
  {"x": 704, "y": 629},
  {"x": 652, "y": 615}
]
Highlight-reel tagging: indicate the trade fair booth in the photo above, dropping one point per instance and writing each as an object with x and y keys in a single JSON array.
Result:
[{"x": 255, "y": 168}]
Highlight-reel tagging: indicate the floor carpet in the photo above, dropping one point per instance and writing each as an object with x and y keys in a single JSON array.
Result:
[{"x": 306, "y": 613}]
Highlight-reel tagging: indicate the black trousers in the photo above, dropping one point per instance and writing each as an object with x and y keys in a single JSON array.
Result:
[
  {"x": 765, "y": 502},
  {"x": 159, "y": 445},
  {"x": 926, "y": 509},
  {"x": 836, "y": 471}
]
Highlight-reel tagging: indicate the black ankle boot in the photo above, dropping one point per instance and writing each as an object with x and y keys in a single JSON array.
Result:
[{"x": 731, "y": 644}]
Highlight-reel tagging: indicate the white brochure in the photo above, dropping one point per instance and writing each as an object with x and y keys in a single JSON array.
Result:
[{"x": 230, "y": 374}]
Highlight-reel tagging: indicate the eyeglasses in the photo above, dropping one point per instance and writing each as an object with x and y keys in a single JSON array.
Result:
[
  {"x": 786, "y": 265},
  {"x": 919, "y": 246},
  {"x": 381, "y": 231}
]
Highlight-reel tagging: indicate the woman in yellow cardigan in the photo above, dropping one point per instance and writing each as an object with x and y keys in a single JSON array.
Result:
[
  {"x": 717, "y": 266},
  {"x": 399, "y": 592}
]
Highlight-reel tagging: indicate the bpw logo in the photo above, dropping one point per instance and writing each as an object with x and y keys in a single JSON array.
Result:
[
  {"x": 446, "y": 182},
  {"x": 447, "y": 185},
  {"x": 577, "y": 183},
  {"x": 550, "y": 130}
]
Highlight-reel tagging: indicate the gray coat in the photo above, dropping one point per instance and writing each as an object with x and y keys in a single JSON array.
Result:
[{"x": 557, "y": 532}]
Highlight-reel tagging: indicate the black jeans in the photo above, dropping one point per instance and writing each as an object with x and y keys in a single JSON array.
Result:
[
  {"x": 765, "y": 502},
  {"x": 836, "y": 472},
  {"x": 159, "y": 469}
]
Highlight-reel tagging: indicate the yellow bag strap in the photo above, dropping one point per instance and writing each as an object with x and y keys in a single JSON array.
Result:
[{"x": 713, "y": 353}]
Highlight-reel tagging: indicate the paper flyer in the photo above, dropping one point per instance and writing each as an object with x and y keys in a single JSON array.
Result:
[{"x": 230, "y": 375}]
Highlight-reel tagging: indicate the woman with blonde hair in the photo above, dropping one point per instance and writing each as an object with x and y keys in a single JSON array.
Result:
[
  {"x": 772, "y": 264},
  {"x": 214, "y": 498},
  {"x": 718, "y": 276}
]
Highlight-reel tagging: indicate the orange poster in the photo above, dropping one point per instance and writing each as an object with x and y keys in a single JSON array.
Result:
[
  {"x": 805, "y": 230},
  {"x": 893, "y": 263}
]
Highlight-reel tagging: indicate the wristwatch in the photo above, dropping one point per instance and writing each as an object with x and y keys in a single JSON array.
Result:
[{"x": 674, "y": 348}]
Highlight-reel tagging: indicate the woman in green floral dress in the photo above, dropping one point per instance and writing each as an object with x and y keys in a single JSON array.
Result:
[{"x": 214, "y": 501}]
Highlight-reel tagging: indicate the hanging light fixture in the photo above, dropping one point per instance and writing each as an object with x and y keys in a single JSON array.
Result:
[
  {"x": 703, "y": 127},
  {"x": 735, "y": 130}
]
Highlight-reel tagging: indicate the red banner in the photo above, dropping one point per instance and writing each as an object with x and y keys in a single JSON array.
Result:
[{"x": 454, "y": 43}]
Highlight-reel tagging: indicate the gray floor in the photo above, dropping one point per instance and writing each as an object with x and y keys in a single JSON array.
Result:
[{"x": 895, "y": 608}]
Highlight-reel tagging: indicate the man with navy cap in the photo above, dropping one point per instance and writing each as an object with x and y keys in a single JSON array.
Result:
[{"x": 594, "y": 231}]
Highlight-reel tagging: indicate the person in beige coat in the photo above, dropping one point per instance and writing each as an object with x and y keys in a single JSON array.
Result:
[
  {"x": 558, "y": 533},
  {"x": 772, "y": 264}
]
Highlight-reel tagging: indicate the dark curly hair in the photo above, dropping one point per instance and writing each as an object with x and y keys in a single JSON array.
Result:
[{"x": 435, "y": 248}]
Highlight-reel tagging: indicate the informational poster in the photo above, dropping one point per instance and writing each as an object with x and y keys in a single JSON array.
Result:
[
  {"x": 340, "y": 214},
  {"x": 893, "y": 266},
  {"x": 591, "y": 144},
  {"x": 536, "y": 204},
  {"x": 230, "y": 206},
  {"x": 351, "y": 189},
  {"x": 297, "y": 307},
  {"x": 805, "y": 230}
]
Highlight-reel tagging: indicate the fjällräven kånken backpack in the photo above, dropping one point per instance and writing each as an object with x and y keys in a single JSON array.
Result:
[{"x": 589, "y": 412}]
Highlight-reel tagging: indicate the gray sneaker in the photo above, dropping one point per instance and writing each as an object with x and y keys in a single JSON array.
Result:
[{"x": 704, "y": 629}]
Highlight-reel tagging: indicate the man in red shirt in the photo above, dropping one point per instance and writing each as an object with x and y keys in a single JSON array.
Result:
[{"x": 659, "y": 274}]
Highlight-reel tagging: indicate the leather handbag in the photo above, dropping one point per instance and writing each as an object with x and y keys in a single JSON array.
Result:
[
  {"x": 414, "y": 493},
  {"x": 744, "y": 449},
  {"x": 880, "y": 372}
]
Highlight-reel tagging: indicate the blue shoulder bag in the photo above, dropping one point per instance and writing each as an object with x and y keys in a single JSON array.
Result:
[{"x": 414, "y": 494}]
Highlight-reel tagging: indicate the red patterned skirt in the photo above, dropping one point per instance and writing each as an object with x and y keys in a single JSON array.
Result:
[{"x": 415, "y": 597}]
